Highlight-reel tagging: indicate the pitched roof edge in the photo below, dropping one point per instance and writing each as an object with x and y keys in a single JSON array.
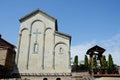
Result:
[
  {"x": 33, "y": 13},
  {"x": 8, "y": 42},
  {"x": 96, "y": 46},
  {"x": 67, "y": 35}
]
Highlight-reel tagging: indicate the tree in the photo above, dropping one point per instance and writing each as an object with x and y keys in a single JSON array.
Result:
[
  {"x": 75, "y": 61},
  {"x": 110, "y": 62},
  {"x": 86, "y": 61},
  {"x": 94, "y": 65},
  {"x": 103, "y": 62}
]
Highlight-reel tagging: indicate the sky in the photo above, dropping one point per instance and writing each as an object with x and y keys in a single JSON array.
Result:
[{"x": 89, "y": 22}]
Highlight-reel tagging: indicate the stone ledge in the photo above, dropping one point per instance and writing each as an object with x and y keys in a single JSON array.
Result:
[{"x": 45, "y": 74}]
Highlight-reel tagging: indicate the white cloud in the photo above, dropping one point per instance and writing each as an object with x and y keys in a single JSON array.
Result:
[
  {"x": 111, "y": 45},
  {"x": 81, "y": 49}
]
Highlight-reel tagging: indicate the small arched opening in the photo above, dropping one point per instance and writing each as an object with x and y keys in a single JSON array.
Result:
[
  {"x": 45, "y": 79},
  {"x": 58, "y": 78}
]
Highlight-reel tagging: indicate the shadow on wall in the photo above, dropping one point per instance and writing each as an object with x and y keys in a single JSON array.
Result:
[{"x": 15, "y": 73}]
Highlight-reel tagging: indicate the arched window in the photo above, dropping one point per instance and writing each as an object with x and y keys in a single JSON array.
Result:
[
  {"x": 35, "y": 49},
  {"x": 45, "y": 79},
  {"x": 58, "y": 78},
  {"x": 61, "y": 50}
]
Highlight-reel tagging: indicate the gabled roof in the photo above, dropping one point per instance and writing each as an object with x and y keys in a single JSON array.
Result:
[
  {"x": 5, "y": 43},
  {"x": 64, "y": 35},
  {"x": 35, "y": 12},
  {"x": 97, "y": 49},
  {"x": 38, "y": 11},
  {"x": 67, "y": 35}
]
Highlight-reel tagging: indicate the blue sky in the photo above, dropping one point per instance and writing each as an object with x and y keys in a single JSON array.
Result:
[{"x": 89, "y": 22}]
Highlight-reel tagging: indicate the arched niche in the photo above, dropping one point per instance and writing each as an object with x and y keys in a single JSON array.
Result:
[
  {"x": 23, "y": 47},
  {"x": 48, "y": 57},
  {"x": 61, "y": 55},
  {"x": 36, "y": 44},
  {"x": 37, "y": 35}
]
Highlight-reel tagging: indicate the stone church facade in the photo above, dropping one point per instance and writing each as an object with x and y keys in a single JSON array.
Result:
[{"x": 43, "y": 53}]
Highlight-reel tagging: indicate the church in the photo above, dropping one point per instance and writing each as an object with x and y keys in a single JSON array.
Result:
[{"x": 43, "y": 53}]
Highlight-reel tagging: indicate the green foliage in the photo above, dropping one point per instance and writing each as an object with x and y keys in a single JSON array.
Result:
[
  {"x": 25, "y": 79},
  {"x": 75, "y": 61},
  {"x": 110, "y": 62},
  {"x": 94, "y": 65},
  {"x": 103, "y": 62},
  {"x": 86, "y": 61}
]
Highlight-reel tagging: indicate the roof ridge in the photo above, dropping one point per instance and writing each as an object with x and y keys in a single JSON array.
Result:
[{"x": 33, "y": 13}]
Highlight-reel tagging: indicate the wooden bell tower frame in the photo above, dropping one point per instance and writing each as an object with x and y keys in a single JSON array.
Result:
[{"x": 96, "y": 50}]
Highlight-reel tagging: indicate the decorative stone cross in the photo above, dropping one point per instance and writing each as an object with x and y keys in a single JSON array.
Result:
[{"x": 36, "y": 33}]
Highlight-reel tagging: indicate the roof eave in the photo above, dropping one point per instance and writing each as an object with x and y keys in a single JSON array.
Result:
[
  {"x": 33, "y": 13},
  {"x": 67, "y": 35},
  {"x": 8, "y": 43}
]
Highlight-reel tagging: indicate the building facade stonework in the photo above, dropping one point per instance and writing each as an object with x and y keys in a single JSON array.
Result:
[
  {"x": 7, "y": 58},
  {"x": 42, "y": 51}
]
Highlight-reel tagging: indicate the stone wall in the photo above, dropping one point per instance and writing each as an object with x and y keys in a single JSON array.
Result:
[
  {"x": 3, "y": 56},
  {"x": 46, "y": 76},
  {"x": 81, "y": 76}
]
